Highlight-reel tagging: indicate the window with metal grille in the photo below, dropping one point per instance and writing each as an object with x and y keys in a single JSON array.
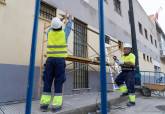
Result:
[
  {"x": 47, "y": 11},
  {"x": 117, "y": 6},
  {"x": 80, "y": 50}
]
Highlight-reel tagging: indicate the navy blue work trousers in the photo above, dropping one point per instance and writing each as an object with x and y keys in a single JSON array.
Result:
[
  {"x": 54, "y": 71},
  {"x": 127, "y": 77}
]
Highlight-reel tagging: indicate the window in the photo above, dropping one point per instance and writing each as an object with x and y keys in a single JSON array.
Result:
[
  {"x": 151, "y": 39},
  {"x": 47, "y": 11},
  {"x": 144, "y": 56},
  {"x": 140, "y": 28},
  {"x": 155, "y": 43},
  {"x": 80, "y": 50},
  {"x": 147, "y": 58},
  {"x": 117, "y": 6},
  {"x": 146, "y": 34},
  {"x": 151, "y": 59}
]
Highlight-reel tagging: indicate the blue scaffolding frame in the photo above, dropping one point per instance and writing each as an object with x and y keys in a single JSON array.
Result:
[{"x": 102, "y": 59}]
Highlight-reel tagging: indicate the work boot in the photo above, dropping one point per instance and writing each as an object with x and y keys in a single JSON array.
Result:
[
  {"x": 124, "y": 94},
  {"x": 129, "y": 104},
  {"x": 44, "y": 108},
  {"x": 57, "y": 103},
  {"x": 132, "y": 99},
  {"x": 44, "y": 102}
]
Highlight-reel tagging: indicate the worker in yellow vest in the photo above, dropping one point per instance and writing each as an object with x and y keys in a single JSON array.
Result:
[
  {"x": 126, "y": 79},
  {"x": 55, "y": 67}
]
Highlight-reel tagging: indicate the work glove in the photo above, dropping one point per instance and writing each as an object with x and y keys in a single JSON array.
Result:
[{"x": 115, "y": 58}]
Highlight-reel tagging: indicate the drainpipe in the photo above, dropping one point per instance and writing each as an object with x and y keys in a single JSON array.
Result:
[{"x": 134, "y": 42}]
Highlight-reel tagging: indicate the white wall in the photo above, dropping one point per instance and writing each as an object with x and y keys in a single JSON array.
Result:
[{"x": 16, "y": 20}]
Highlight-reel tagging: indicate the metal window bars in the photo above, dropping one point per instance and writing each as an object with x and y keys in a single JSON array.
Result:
[
  {"x": 80, "y": 50},
  {"x": 47, "y": 11}
]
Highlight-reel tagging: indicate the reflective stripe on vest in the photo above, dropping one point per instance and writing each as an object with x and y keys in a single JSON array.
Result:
[{"x": 56, "y": 46}]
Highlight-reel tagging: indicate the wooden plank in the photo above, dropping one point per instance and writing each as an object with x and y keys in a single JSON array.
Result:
[
  {"x": 157, "y": 87},
  {"x": 84, "y": 60}
]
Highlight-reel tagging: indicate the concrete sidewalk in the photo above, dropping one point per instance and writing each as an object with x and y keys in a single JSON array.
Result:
[
  {"x": 144, "y": 105},
  {"x": 73, "y": 104}
]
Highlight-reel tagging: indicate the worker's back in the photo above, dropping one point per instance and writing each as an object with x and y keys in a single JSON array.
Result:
[{"x": 56, "y": 46}]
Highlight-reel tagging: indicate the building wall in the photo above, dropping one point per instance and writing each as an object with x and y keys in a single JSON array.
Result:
[
  {"x": 88, "y": 13},
  {"x": 120, "y": 22},
  {"x": 15, "y": 31},
  {"x": 144, "y": 45},
  {"x": 15, "y": 35},
  {"x": 144, "y": 64}
]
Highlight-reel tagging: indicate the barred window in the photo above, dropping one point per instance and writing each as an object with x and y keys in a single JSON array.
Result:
[
  {"x": 80, "y": 50},
  {"x": 47, "y": 11}
]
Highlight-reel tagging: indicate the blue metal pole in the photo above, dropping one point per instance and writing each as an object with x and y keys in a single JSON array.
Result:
[
  {"x": 102, "y": 59},
  {"x": 32, "y": 60}
]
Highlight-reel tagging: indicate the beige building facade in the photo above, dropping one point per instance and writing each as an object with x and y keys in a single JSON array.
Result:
[{"x": 16, "y": 23}]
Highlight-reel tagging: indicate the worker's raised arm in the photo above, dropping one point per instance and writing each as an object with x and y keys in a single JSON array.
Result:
[
  {"x": 47, "y": 31},
  {"x": 68, "y": 27}
]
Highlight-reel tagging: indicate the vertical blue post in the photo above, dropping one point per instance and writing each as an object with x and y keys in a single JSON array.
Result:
[
  {"x": 102, "y": 58},
  {"x": 32, "y": 60}
]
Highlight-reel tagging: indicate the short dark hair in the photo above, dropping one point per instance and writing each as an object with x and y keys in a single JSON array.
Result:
[{"x": 57, "y": 29}]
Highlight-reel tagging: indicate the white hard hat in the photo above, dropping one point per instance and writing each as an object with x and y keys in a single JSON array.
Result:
[
  {"x": 56, "y": 23},
  {"x": 127, "y": 45}
]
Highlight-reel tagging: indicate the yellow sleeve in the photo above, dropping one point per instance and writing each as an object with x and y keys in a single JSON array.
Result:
[
  {"x": 122, "y": 58},
  {"x": 132, "y": 58}
]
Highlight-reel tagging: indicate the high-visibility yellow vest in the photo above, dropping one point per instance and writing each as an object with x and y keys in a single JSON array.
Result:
[
  {"x": 56, "y": 45},
  {"x": 129, "y": 58}
]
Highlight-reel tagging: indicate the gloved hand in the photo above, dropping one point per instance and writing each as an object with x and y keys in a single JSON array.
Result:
[
  {"x": 115, "y": 58},
  {"x": 118, "y": 61}
]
